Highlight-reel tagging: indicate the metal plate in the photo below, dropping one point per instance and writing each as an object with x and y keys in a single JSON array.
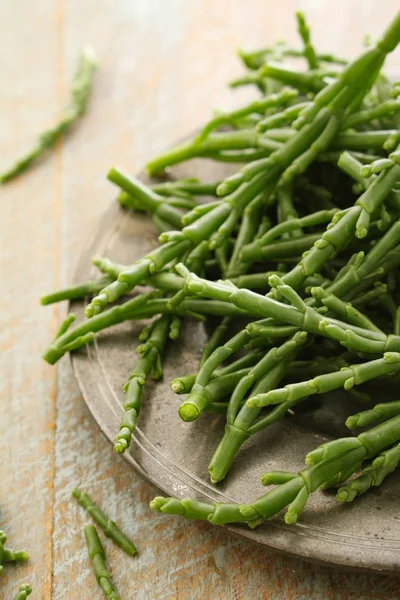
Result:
[{"x": 173, "y": 455}]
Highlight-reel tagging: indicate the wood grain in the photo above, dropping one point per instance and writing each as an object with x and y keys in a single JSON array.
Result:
[{"x": 163, "y": 69}]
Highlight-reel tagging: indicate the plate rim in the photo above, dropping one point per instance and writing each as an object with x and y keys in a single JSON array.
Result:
[{"x": 111, "y": 216}]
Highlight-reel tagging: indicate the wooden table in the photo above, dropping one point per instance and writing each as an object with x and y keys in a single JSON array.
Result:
[{"x": 164, "y": 65}]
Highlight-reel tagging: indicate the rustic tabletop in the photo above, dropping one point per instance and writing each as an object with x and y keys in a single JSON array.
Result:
[{"x": 163, "y": 68}]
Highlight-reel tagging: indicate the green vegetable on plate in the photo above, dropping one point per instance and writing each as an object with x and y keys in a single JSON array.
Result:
[{"x": 293, "y": 262}]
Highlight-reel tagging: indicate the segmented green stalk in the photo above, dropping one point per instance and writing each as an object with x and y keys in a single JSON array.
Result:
[
  {"x": 286, "y": 210},
  {"x": 140, "y": 307},
  {"x": 182, "y": 200},
  {"x": 359, "y": 75},
  {"x": 197, "y": 212},
  {"x": 280, "y": 250},
  {"x": 257, "y": 249},
  {"x": 97, "y": 556},
  {"x": 175, "y": 244},
  {"x": 253, "y": 281},
  {"x": 109, "y": 527},
  {"x": 257, "y": 106},
  {"x": 214, "y": 145},
  {"x": 338, "y": 235},
  {"x": 107, "y": 266},
  {"x": 175, "y": 328},
  {"x": 305, "y": 81},
  {"x": 139, "y": 193},
  {"x": 371, "y": 476},
  {"x": 221, "y": 386},
  {"x": 250, "y": 79},
  {"x": 360, "y": 142},
  {"x": 382, "y": 164},
  {"x": 376, "y": 293},
  {"x": 248, "y": 145},
  {"x": 285, "y": 117},
  {"x": 148, "y": 364},
  {"x": 191, "y": 186},
  {"x": 199, "y": 397},
  {"x": 319, "y": 124},
  {"x": 304, "y": 31},
  {"x": 215, "y": 340},
  {"x": 264, "y": 376},
  {"x": 380, "y": 412},
  {"x": 384, "y": 109},
  {"x": 363, "y": 271},
  {"x": 247, "y": 231},
  {"x": 327, "y": 463},
  {"x": 282, "y": 158},
  {"x": 298, "y": 313},
  {"x": 344, "y": 310},
  {"x": 256, "y": 58},
  {"x": 392, "y": 141},
  {"x": 77, "y": 291},
  {"x": 80, "y": 92},
  {"x": 232, "y": 232},
  {"x": 134, "y": 275},
  {"x": 184, "y": 385},
  {"x": 84, "y": 332},
  {"x": 312, "y": 368},
  {"x": 24, "y": 591},
  {"x": 7, "y": 555},
  {"x": 10, "y": 555},
  {"x": 347, "y": 377}
]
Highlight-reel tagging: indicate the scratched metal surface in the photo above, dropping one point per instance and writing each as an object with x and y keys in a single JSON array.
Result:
[{"x": 160, "y": 77}]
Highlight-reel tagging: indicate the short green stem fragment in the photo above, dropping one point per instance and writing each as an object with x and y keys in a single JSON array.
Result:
[
  {"x": 24, "y": 591},
  {"x": 80, "y": 92},
  {"x": 97, "y": 555},
  {"x": 109, "y": 527}
]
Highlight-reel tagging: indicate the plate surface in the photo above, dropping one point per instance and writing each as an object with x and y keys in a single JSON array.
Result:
[{"x": 173, "y": 455}]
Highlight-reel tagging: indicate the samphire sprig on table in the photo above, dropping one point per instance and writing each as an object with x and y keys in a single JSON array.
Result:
[
  {"x": 9, "y": 556},
  {"x": 296, "y": 253},
  {"x": 81, "y": 88}
]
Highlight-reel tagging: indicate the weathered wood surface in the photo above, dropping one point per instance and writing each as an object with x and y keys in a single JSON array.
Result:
[{"x": 163, "y": 68}]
